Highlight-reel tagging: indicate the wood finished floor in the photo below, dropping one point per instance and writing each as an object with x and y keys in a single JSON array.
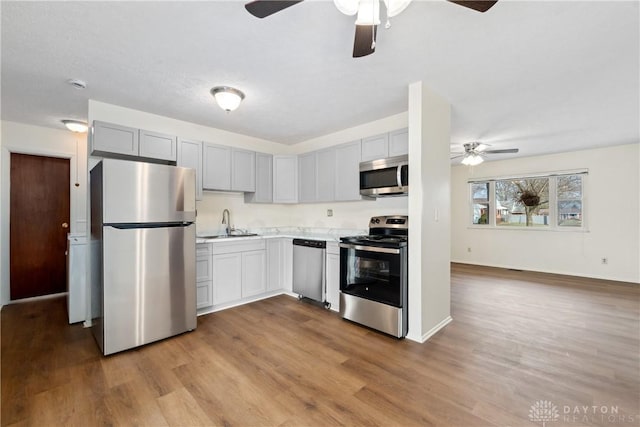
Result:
[{"x": 516, "y": 338}]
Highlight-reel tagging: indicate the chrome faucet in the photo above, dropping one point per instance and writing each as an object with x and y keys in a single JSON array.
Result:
[{"x": 226, "y": 219}]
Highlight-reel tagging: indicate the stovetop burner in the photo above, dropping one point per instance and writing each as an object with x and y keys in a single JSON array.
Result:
[{"x": 385, "y": 231}]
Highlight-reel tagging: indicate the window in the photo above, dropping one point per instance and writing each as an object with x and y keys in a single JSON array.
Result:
[
  {"x": 480, "y": 200},
  {"x": 539, "y": 202},
  {"x": 522, "y": 202},
  {"x": 569, "y": 193}
]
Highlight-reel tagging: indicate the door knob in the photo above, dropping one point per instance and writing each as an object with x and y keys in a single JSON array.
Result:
[{"x": 65, "y": 225}]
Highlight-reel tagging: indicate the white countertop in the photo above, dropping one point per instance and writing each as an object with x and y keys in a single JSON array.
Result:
[{"x": 328, "y": 234}]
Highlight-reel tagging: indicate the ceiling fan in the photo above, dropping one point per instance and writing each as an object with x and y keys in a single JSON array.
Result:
[
  {"x": 474, "y": 153},
  {"x": 368, "y": 15}
]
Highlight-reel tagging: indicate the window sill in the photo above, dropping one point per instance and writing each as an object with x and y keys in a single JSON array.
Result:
[{"x": 530, "y": 229}]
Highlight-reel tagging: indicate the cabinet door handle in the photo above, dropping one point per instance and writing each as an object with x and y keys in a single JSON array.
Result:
[{"x": 65, "y": 225}]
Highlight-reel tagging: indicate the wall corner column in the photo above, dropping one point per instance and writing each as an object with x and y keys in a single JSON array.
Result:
[{"x": 429, "y": 213}]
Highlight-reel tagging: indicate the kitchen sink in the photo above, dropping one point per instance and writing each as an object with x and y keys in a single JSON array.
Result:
[{"x": 224, "y": 236}]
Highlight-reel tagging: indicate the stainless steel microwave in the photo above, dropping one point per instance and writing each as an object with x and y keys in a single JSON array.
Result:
[{"x": 385, "y": 177}]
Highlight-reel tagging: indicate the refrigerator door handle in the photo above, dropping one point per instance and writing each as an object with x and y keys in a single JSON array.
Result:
[{"x": 129, "y": 226}]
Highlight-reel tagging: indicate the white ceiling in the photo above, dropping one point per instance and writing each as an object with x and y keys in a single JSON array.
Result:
[{"x": 544, "y": 76}]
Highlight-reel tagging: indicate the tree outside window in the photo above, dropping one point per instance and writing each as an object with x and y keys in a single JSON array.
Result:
[{"x": 522, "y": 202}]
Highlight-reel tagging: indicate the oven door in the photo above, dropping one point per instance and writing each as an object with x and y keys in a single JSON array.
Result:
[{"x": 375, "y": 273}]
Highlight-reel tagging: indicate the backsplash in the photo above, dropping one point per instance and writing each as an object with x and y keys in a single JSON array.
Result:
[{"x": 252, "y": 216}]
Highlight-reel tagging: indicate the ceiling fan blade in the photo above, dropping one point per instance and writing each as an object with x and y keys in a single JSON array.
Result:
[
  {"x": 479, "y": 5},
  {"x": 504, "y": 151},
  {"x": 363, "y": 43},
  {"x": 456, "y": 157},
  {"x": 264, "y": 8}
]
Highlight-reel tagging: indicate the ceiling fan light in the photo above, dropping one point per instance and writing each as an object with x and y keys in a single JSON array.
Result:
[
  {"x": 472, "y": 159},
  {"x": 75, "y": 125},
  {"x": 395, "y": 7},
  {"x": 228, "y": 98},
  {"x": 348, "y": 7},
  {"x": 368, "y": 12}
]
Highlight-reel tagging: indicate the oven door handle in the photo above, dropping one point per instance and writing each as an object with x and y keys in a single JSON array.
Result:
[{"x": 370, "y": 248}]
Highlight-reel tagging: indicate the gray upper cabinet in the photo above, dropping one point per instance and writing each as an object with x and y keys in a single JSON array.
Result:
[
  {"x": 307, "y": 175},
  {"x": 154, "y": 145},
  {"x": 347, "y": 175},
  {"x": 190, "y": 156},
  {"x": 399, "y": 142},
  {"x": 114, "y": 139},
  {"x": 243, "y": 170},
  {"x": 390, "y": 144},
  {"x": 111, "y": 140},
  {"x": 375, "y": 147},
  {"x": 216, "y": 163},
  {"x": 264, "y": 180},
  {"x": 285, "y": 179},
  {"x": 325, "y": 175}
]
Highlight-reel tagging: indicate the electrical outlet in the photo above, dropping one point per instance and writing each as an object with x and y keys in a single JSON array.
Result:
[
  {"x": 605, "y": 260},
  {"x": 468, "y": 249},
  {"x": 329, "y": 212}
]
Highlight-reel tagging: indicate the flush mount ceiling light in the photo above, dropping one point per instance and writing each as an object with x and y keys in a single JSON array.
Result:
[
  {"x": 75, "y": 125},
  {"x": 228, "y": 98}
]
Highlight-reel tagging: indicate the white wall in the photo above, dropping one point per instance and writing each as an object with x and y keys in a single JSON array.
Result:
[
  {"x": 612, "y": 214},
  {"x": 28, "y": 139}
]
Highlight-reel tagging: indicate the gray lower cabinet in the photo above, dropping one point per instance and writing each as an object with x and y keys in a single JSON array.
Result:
[
  {"x": 227, "y": 278},
  {"x": 333, "y": 275},
  {"x": 264, "y": 180},
  {"x": 204, "y": 276},
  {"x": 216, "y": 162},
  {"x": 190, "y": 156},
  {"x": 253, "y": 273},
  {"x": 239, "y": 270}
]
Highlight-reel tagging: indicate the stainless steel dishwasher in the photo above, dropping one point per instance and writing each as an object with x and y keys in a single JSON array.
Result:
[{"x": 309, "y": 260}]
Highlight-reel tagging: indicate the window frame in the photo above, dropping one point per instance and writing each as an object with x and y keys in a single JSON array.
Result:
[{"x": 553, "y": 202}]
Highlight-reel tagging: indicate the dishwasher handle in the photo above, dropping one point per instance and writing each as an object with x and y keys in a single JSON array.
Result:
[{"x": 320, "y": 244}]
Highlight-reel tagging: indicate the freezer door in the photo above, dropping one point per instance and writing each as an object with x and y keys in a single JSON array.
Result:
[
  {"x": 149, "y": 288},
  {"x": 136, "y": 192}
]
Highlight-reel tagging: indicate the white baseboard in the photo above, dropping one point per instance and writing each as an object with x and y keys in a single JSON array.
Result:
[
  {"x": 213, "y": 309},
  {"x": 422, "y": 339}
]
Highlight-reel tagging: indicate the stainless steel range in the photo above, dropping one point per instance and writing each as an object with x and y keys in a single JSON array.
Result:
[{"x": 373, "y": 276}]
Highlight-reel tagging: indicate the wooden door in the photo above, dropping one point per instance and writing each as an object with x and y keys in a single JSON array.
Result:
[{"x": 39, "y": 223}]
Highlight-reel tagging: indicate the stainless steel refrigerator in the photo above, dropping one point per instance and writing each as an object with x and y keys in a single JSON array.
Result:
[{"x": 143, "y": 243}]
